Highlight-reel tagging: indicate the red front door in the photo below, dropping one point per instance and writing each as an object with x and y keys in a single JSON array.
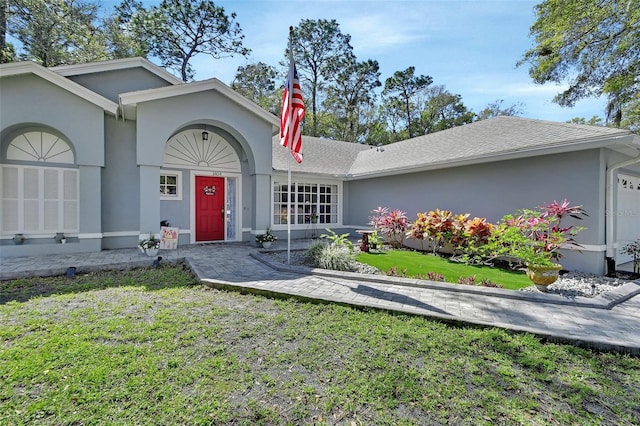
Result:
[{"x": 209, "y": 208}]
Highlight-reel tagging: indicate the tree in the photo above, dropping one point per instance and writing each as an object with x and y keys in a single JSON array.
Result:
[
  {"x": 591, "y": 45},
  {"x": 7, "y": 51},
  {"x": 631, "y": 114},
  {"x": 495, "y": 109},
  {"x": 351, "y": 98},
  {"x": 403, "y": 87},
  {"x": 56, "y": 32},
  {"x": 443, "y": 110},
  {"x": 257, "y": 82},
  {"x": 318, "y": 48},
  {"x": 593, "y": 121},
  {"x": 177, "y": 30},
  {"x": 121, "y": 42},
  {"x": 392, "y": 112}
]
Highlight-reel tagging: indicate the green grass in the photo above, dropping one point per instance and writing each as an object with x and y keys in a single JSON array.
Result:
[
  {"x": 154, "y": 347},
  {"x": 418, "y": 264}
]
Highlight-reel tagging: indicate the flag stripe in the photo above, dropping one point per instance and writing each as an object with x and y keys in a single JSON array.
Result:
[{"x": 291, "y": 118}]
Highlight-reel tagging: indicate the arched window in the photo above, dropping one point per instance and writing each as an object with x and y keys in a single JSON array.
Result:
[
  {"x": 39, "y": 199},
  {"x": 40, "y": 146}
]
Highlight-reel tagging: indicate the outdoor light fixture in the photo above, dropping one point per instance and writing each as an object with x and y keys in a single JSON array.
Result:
[{"x": 205, "y": 135}]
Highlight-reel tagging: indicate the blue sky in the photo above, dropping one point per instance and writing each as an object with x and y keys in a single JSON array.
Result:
[{"x": 471, "y": 47}]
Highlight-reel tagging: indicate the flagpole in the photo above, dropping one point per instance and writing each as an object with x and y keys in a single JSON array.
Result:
[{"x": 290, "y": 142}]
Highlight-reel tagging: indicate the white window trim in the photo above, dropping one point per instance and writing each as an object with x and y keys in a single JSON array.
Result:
[
  {"x": 303, "y": 181},
  {"x": 178, "y": 194}
]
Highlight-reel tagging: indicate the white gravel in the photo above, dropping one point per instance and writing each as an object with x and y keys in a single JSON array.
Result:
[
  {"x": 569, "y": 285},
  {"x": 574, "y": 284}
]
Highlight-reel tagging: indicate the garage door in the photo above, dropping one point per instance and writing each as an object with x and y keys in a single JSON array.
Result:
[{"x": 627, "y": 214}]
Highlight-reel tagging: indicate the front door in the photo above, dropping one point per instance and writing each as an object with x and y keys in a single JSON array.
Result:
[{"x": 209, "y": 199}]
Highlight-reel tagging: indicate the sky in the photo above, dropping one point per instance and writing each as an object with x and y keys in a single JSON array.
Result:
[{"x": 471, "y": 47}]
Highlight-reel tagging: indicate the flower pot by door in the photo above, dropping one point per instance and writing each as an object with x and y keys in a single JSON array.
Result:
[
  {"x": 266, "y": 244},
  {"x": 542, "y": 276}
]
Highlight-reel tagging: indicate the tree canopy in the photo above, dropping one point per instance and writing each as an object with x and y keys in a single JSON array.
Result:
[
  {"x": 593, "y": 46},
  {"x": 177, "y": 30},
  {"x": 53, "y": 32},
  {"x": 318, "y": 48}
]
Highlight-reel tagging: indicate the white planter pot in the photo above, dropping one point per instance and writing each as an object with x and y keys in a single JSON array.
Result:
[
  {"x": 266, "y": 244},
  {"x": 151, "y": 252}
]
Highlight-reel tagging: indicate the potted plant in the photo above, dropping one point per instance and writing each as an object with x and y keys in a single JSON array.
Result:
[
  {"x": 266, "y": 239},
  {"x": 535, "y": 238},
  {"x": 150, "y": 246}
]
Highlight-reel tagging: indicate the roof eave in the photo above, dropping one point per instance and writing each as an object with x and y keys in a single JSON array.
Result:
[
  {"x": 623, "y": 144},
  {"x": 319, "y": 175},
  {"x": 28, "y": 67},
  {"x": 114, "y": 65},
  {"x": 130, "y": 100}
]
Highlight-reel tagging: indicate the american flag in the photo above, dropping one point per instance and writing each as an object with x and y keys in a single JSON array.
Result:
[{"x": 291, "y": 119}]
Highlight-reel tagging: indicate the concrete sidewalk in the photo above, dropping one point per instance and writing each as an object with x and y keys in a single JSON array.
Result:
[{"x": 606, "y": 322}]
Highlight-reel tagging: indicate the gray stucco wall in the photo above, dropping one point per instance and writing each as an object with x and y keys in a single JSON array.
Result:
[
  {"x": 111, "y": 84},
  {"x": 28, "y": 99},
  {"x": 492, "y": 190},
  {"x": 120, "y": 178},
  {"x": 160, "y": 119},
  {"x": 177, "y": 211}
]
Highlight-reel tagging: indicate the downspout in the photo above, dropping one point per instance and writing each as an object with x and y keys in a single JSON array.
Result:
[{"x": 609, "y": 216}]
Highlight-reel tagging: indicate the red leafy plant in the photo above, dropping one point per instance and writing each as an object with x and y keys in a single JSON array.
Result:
[
  {"x": 441, "y": 227},
  {"x": 536, "y": 236},
  {"x": 391, "y": 224}
]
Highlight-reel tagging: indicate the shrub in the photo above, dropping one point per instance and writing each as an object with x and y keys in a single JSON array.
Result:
[
  {"x": 633, "y": 249},
  {"x": 467, "y": 280},
  {"x": 442, "y": 227},
  {"x": 393, "y": 272},
  {"x": 391, "y": 225},
  {"x": 341, "y": 240},
  {"x": 336, "y": 258},
  {"x": 315, "y": 249},
  {"x": 337, "y": 254},
  {"x": 536, "y": 236},
  {"x": 435, "y": 276}
]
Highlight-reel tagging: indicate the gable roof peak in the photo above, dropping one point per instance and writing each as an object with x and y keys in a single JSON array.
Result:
[{"x": 114, "y": 65}]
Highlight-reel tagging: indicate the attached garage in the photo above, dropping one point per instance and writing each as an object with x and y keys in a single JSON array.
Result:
[{"x": 627, "y": 214}]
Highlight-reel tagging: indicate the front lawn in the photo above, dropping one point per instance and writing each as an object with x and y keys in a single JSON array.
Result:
[
  {"x": 155, "y": 347},
  {"x": 418, "y": 264}
]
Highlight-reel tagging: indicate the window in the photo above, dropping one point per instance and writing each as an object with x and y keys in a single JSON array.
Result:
[
  {"x": 39, "y": 200},
  {"x": 170, "y": 185},
  {"x": 310, "y": 203}
]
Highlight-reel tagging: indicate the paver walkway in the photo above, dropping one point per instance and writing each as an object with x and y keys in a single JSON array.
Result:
[{"x": 607, "y": 322}]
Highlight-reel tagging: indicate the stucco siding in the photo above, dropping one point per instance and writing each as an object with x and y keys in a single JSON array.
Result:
[
  {"x": 160, "y": 119},
  {"x": 111, "y": 83},
  {"x": 28, "y": 100},
  {"x": 120, "y": 178},
  {"x": 492, "y": 190},
  {"x": 176, "y": 212}
]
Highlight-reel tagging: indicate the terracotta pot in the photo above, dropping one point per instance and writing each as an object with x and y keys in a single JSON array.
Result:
[{"x": 543, "y": 275}]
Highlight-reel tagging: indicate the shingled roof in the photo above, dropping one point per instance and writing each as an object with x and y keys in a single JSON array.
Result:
[
  {"x": 495, "y": 139},
  {"x": 321, "y": 156}
]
